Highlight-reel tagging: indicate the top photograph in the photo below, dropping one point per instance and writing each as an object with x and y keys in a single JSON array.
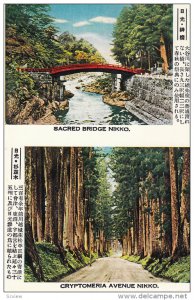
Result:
[{"x": 89, "y": 64}]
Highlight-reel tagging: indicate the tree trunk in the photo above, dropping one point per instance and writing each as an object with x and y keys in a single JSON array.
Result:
[
  {"x": 40, "y": 197},
  {"x": 61, "y": 195},
  {"x": 129, "y": 242},
  {"x": 51, "y": 176},
  {"x": 31, "y": 256},
  {"x": 152, "y": 227},
  {"x": 66, "y": 195},
  {"x": 166, "y": 242},
  {"x": 185, "y": 202},
  {"x": 71, "y": 200},
  {"x": 140, "y": 240},
  {"x": 149, "y": 61},
  {"x": 124, "y": 252},
  {"x": 34, "y": 194},
  {"x": 101, "y": 241},
  {"x": 163, "y": 54},
  {"x": 147, "y": 224},
  {"x": 174, "y": 202},
  {"x": 136, "y": 226},
  {"x": 144, "y": 228},
  {"x": 80, "y": 203}
]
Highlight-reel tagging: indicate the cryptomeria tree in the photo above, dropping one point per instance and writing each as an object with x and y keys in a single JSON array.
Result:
[{"x": 143, "y": 35}]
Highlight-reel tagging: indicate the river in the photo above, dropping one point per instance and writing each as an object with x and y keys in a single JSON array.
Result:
[{"x": 89, "y": 108}]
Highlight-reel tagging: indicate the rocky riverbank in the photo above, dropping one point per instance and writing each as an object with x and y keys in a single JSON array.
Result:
[
  {"x": 103, "y": 87},
  {"x": 35, "y": 110},
  {"x": 116, "y": 98},
  {"x": 94, "y": 87}
]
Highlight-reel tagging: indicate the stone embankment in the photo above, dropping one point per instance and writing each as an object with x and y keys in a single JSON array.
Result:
[{"x": 150, "y": 98}]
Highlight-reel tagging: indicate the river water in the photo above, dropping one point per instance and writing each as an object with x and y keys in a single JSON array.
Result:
[{"x": 88, "y": 108}]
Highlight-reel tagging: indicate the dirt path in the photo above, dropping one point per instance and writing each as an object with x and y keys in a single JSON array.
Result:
[{"x": 112, "y": 269}]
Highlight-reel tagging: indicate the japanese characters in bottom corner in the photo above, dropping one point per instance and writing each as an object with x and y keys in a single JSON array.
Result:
[{"x": 97, "y": 148}]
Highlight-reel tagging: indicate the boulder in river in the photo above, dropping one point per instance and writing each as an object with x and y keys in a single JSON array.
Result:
[
  {"x": 56, "y": 105},
  {"x": 64, "y": 105},
  {"x": 94, "y": 89},
  {"x": 116, "y": 98},
  {"x": 68, "y": 94},
  {"x": 113, "y": 101}
]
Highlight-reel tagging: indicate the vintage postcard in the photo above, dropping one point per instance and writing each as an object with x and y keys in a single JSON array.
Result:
[
  {"x": 115, "y": 67},
  {"x": 93, "y": 201}
]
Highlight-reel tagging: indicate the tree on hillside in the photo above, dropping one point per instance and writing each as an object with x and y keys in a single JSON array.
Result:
[
  {"x": 32, "y": 41},
  {"x": 143, "y": 36}
]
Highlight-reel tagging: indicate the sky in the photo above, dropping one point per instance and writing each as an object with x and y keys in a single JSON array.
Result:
[{"x": 93, "y": 22}]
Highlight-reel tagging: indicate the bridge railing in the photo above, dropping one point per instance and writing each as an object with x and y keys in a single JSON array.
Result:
[
  {"x": 43, "y": 70},
  {"x": 91, "y": 66}
]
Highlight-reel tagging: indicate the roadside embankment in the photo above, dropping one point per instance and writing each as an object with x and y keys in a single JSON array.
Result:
[
  {"x": 176, "y": 271},
  {"x": 55, "y": 265}
]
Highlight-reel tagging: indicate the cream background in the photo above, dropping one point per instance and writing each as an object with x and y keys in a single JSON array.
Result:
[{"x": 43, "y": 135}]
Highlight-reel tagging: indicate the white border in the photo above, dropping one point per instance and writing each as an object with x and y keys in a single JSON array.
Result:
[{"x": 22, "y": 131}]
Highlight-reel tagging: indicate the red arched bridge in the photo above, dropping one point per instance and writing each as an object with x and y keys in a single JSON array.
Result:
[{"x": 77, "y": 68}]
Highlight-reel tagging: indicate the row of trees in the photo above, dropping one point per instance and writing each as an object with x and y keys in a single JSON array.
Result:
[
  {"x": 151, "y": 200},
  {"x": 73, "y": 202},
  {"x": 143, "y": 36},
  {"x": 68, "y": 199}
]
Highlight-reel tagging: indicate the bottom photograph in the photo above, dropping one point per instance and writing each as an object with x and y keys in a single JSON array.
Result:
[{"x": 112, "y": 214}]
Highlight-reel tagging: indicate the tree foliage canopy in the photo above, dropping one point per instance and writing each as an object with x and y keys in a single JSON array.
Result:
[
  {"x": 137, "y": 34},
  {"x": 32, "y": 40}
]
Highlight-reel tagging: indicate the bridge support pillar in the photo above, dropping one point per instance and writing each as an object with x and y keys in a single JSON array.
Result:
[
  {"x": 113, "y": 82},
  {"x": 54, "y": 91},
  {"x": 61, "y": 93},
  {"x": 49, "y": 91},
  {"x": 116, "y": 82},
  {"x": 57, "y": 89}
]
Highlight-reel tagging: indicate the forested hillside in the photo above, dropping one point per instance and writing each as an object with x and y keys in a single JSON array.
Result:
[
  {"x": 32, "y": 40},
  {"x": 143, "y": 36},
  {"x": 74, "y": 206}
]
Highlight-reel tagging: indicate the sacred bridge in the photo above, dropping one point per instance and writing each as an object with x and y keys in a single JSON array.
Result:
[
  {"x": 54, "y": 77},
  {"x": 77, "y": 68}
]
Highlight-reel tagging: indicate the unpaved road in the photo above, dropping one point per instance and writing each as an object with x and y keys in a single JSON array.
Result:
[{"x": 112, "y": 269}]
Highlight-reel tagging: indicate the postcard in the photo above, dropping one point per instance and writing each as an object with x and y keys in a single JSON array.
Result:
[{"x": 97, "y": 147}]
